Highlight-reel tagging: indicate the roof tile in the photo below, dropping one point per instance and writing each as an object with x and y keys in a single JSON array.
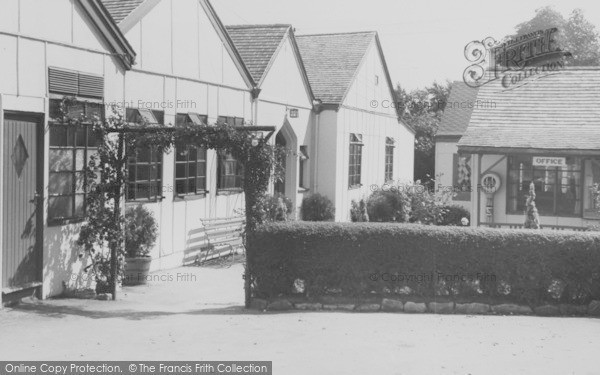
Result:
[
  {"x": 557, "y": 111},
  {"x": 257, "y": 44},
  {"x": 120, "y": 9},
  {"x": 331, "y": 61},
  {"x": 459, "y": 108}
]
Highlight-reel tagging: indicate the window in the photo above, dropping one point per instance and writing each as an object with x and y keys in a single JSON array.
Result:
[
  {"x": 389, "y": 159},
  {"x": 144, "y": 168},
  {"x": 230, "y": 172},
  {"x": 376, "y": 80},
  {"x": 558, "y": 189},
  {"x": 144, "y": 175},
  {"x": 144, "y": 116},
  {"x": 592, "y": 177},
  {"x": 303, "y": 156},
  {"x": 354, "y": 174},
  {"x": 71, "y": 148},
  {"x": 190, "y": 171},
  {"x": 461, "y": 177},
  {"x": 229, "y": 120},
  {"x": 192, "y": 118}
]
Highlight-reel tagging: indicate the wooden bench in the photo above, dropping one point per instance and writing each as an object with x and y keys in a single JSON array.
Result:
[{"x": 216, "y": 238}]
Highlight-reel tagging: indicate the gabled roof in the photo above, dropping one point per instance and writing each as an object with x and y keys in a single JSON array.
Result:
[
  {"x": 560, "y": 112},
  {"x": 332, "y": 60},
  {"x": 120, "y": 9},
  {"x": 459, "y": 108},
  {"x": 109, "y": 30},
  {"x": 258, "y": 44}
]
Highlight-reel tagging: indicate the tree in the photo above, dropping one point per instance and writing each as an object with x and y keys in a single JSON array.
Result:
[
  {"x": 422, "y": 109},
  {"x": 575, "y": 35}
]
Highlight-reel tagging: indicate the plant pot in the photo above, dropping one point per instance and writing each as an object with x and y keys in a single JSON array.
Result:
[{"x": 136, "y": 271}]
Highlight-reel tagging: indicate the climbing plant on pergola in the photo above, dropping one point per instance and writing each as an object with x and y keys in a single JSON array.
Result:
[{"x": 107, "y": 174}]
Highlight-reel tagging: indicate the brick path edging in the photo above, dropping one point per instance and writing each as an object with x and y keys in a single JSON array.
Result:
[{"x": 409, "y": 307}]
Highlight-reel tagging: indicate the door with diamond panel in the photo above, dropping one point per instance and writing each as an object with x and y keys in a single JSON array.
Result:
[{"x": 21, "y": 205}]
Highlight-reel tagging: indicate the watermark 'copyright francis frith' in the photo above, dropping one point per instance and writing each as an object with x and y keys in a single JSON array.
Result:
[
  {"x": 470, "y": 104},
  {"x": 434, "y": 277}
]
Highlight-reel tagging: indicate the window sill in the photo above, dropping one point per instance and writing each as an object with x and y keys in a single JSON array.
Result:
[
  {"x": 63, "y": 222},
  {"x": 143, "y": 201},
  {"x": 303, "y": 190},
  {"x": 229, "y": 191},
  {"x": 355, "y": 187},
  {"x": 190, "y": 197}
]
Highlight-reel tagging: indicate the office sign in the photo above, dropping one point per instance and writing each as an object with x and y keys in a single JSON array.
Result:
[{"x": 549, "y": 161}]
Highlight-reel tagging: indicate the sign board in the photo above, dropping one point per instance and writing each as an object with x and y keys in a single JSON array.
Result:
[
  {"x": 549, "y": 161},
  {"x": 294, "y": 113}
]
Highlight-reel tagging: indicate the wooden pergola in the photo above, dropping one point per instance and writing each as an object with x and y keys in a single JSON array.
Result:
[{"x": 270, "y": 130}]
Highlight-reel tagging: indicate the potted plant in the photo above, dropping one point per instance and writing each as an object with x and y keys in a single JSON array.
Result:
[{"x": 141, "y": 230}]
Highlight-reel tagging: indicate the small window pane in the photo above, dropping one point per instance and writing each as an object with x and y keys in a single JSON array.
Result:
[
  {"x": 61, "y": 160},
  {"x": 59, "y": 136},
  {"x": 60, "y": 207},
  {"x": 60, "y": 183}
]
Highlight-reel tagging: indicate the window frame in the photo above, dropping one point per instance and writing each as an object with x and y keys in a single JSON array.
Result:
[
  {"x": 460, "y": 195},
  {"x": 198, "y": 191},
  {"x": 355, "y": 152},
  {"x": 557, "y": 185},
  {"x": 238, "y": 176},
  {"x": 155, "y": 160},
  {"x": 230, "y": 120},
  {"x": 303, "y": 160},
  {"x": 87, "y": 148},
  {"x": 390, "y": 145}
]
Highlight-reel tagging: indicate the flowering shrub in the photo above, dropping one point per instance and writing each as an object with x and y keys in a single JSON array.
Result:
[
  {"x": 358, "y": 211},
  {"x": 454, "y": 215},
  {"x": 277, "y": 207}
]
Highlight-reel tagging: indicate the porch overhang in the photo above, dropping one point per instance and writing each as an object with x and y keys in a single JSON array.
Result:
[{"x": 486, "y": 150}]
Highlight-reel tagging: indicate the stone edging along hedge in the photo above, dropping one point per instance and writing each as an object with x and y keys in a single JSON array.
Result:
[{"x": 395, "y": 305}]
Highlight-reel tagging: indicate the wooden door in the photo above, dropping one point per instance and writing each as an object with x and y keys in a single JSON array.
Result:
[{"x": 21, "y": 227}]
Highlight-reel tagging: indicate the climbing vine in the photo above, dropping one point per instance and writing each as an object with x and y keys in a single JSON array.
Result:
[{"x": 107, "y": 174}]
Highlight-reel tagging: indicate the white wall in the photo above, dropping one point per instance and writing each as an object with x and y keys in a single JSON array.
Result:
[
  {"x": 178, "y": 38},
  {"x": 283, "y": 89},
  {"x": 56, "y": 34},
  {"x": 186, "y": 72},
  {"x": 358, "y": 115}
]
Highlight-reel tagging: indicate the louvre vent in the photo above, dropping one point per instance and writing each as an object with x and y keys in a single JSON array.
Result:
[
  {"x": 74, "y": 83},
  {"x": 91, "y": 86},
  {"x": 63, "y": 81}
]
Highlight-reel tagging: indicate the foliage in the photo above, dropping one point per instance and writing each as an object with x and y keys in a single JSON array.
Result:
[
  {"x": 422, "y": 109},
  {"x": 277, "y": 207},
  {"x": 454, "y": 214},
  {"x": 141, "y": 231},
  {"x": 358, "y": 211},
  {"x": 107, "y": 169},
  {"x": 427, "y": 206},
  {"x": 389, "y": 206},
  {"x": 317, "y": 207},
  {"x": 532, "y": 218},
  {"x": 501, "y": 265},
  {"x": 575, "y": 35}
]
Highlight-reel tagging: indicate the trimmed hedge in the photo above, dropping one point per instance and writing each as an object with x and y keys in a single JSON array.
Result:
[{"x": 366, "y": 259}]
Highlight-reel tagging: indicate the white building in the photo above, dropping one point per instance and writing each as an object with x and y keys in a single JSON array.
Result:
[
  {"x": 359, "y": 140},
  {"x": 169, "y": 61}
]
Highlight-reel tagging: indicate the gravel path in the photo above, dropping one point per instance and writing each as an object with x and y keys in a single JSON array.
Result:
[{"x": 202, "y": 319}]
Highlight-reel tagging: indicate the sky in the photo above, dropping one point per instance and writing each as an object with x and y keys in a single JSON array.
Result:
[{"x": 423, "y": 41}]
